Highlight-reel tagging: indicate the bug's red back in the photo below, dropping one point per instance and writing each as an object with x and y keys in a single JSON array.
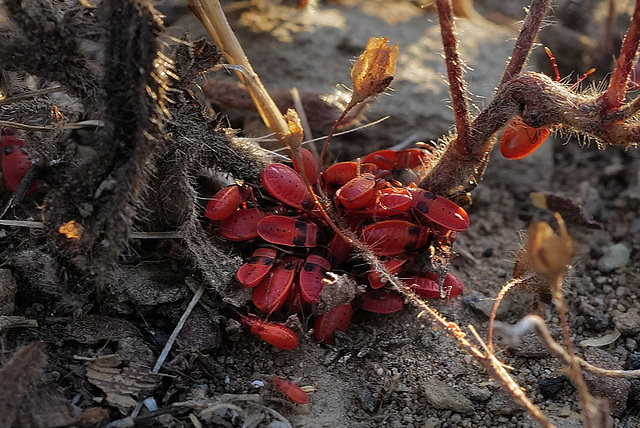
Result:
[
  {"x": 274, "y": 333},
  {"x": 15, "y": 161},
  {"x": 272, "y": 292},
  {"x": 520, "y": 140},
  {"x": 223, "y": 203},
  {"x": 313, "y": 271},
  {"x": 338, "y": 318},
  {"x": 291, "y": 390},
  {"x": 251, "y": 273},
  {"x": 381, "y": 302},
  {"x": 286, "y": 185}
]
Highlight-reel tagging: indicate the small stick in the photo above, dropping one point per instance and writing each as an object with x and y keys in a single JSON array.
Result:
[
  {"x": 457, "y": 84},
  {"x": 176, "y": 330},
  {"x": 524, "y": 43},
  {"x": 30, "y": 94}
]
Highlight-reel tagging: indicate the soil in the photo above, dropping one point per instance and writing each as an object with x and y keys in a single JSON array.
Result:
[{"x": 396, "y": 370}]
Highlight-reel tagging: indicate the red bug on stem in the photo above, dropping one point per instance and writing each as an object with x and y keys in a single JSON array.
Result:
[{"x": 519, "y": 139}]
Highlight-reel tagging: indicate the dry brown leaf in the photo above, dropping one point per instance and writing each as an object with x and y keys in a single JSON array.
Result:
[
  {"x": 374, "y": 70},
  {"x": 550, "y": 254},
  {"x": 121, "y": 381},
  {"x": 20, "y": 372},
  {"x": 44, "y": 406}
]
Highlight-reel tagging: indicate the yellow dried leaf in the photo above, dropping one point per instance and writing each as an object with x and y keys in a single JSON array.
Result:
[
  {"x": 550, "y": 254},
  {"x": 71, "y": 229},
  {"x": 374, "y": 70},
  {"x": 295, "y": 136}
]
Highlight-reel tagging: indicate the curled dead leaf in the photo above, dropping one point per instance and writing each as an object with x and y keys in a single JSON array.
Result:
[
  {"x": 374, "y": 70},
  {"x": 550, "y": 254}
]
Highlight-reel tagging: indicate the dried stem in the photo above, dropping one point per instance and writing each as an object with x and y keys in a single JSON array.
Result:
[
  {"x": 616, "y": 91},
  {"x": 457, "y": 84},
  {"x": 494, "y": 310},
  {"x": 524, "y": 43},
  {"x": 215, "y": 22}
]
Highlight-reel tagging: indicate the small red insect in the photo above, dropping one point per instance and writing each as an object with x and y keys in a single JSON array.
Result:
[
  {"x": 223, "y": 203},
  {"x": 272, "y": 292},
  {"x": 357, "y": 192},
  {"x": 241, "y": 225},
  {"x": 439, "y": 210},
  {"x": 381, "y": 302},
  {"x": 15, "y": 161},
  {"x": 393, "y": 237},
  {"x": 288, "y": 231},
  {"x": 427, "y": 286},
  {"x": 313, "y": 271},
  {"x": 286, "y": 185},
  {"x": 310, "y": 165},
  {"x": 251, "y": 273},
  {"x": 338, "y": 318},
  {"x": 274, "y": 333},
  {"x": 519, "y": 139},
  {"x": 393, "y": 266},
  {"x": 291, "y": 390}
]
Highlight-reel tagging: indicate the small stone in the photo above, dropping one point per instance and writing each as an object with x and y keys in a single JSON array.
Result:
[
  {"x": 482, "y": 305},
  {"x": 477, "y": 393},
  {"x": 549, "y": 387},
  {"x": 633, "y": 361},
  {"x": 368, "y": 402},
  {"x": 442, "y": 396},
  {"x": 631, "y": 344},
  {"x": 616, "y": 390},
  {"x": 614, "y": 256},
  {"x": 622, "y": 291},
  {"x": 502, "y": 404},
  {"x": 597, "y": 322},
  {"x": 628, "y": 323}
]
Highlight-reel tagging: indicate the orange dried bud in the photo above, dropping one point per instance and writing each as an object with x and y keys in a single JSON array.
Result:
[
  {"x": 550, "y": 254},
  {"x": 296, "y": 133},
  {"x": 374, "y": 70},
  {"x": 71, "y": 229}
]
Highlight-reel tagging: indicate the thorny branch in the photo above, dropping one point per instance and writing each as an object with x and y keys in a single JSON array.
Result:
[{"x": 540, "y": 102}]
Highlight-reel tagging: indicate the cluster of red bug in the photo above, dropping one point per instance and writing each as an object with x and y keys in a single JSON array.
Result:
[{"x": 297, "y": 249}]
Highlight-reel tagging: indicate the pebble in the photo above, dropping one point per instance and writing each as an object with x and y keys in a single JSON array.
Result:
[
  {"x": 597, "y": 322},
  {"x": 614, "y": 256},
  {"x": 631, "y": 344},
  {"x": 442, "y": 396},
  {"x": 549, "y": 387},
  {"x": 502, "y": 404},
  {"x": 478, "y": 393},
  {"x": 482, "y": 306},
  {"x": 367, "y": 401},
  {"x": 628, "y": 323},
  {"x": 616, "y": 390}
]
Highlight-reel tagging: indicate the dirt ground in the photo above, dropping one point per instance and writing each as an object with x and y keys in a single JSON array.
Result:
[{"x": 394, "y": 370}]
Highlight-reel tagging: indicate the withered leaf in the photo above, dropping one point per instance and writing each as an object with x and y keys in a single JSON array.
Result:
[
  {"x": 570, "y": 210},
  {"x": 121, "y": 381},
  {"x": 20, "y": 372}
]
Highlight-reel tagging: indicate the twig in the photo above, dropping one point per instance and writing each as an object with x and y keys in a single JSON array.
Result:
[
  {"x": 30, "y": 94},
  {"x": 457, "y": 84},
  {"x": 215, "y": 22},
  {"x": 614, "y": 96},
  {"x": 524, "y": 43},
  {"x": 176, "y": 330}
]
